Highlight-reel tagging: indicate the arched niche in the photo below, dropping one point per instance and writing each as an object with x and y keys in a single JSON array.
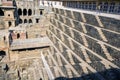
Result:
[
  {"x": 41, "y": 12},
  {"x": 9, "y": 23},
  {"x": 30, "y": 21},
  {"x": 19, "y": 11},
  {"x": 18, "y": 35},
  {"x": 25, "y": 20},
  {"x": 2, "y": 53},
  {"x": 29, "y": 12},
  {"x": 24, "y": 12}
]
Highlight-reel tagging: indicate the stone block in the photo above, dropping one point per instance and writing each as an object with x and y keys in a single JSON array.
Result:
[
  {"x": 78, "y": 37},
  {"x": 59, "y": 26},
  {"x": 91, "y": 19},
  {"x": 78, "y": 26},
  {"x": 53, "y": 9},
  {"x": 78, "y": 50},
  {"x": 61, "y": 11},
  {"x": 95, "y": 47},
  {"x": 113, "y": 38},
  {"x": 78, "y": 16},
  {"x": 91, "y": 31},
  {"x": 98, "y": 66},
  {"x": 110, "y": 23},
  {"x": 57, "y": 10},
  {"x": 55, "y": 16},
  {"x": 79, "y": 69},
  {"x": 92, "y": 57},
  {"x": 68, "y": 22},
  {"x": 67, "y": 31},
  {"x": 69, "y": 15},
  {"x": 61, "y": 19},
  {"x": 64, "y": 70},
  {"x": 113, "y": 52}
]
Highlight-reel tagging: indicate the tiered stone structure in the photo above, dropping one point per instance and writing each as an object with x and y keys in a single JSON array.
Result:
[
  {"x": 54, "y": 41},
  {"x": 84, "y": 44}
]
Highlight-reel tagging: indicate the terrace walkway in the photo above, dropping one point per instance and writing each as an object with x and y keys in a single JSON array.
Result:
[{"x": 30, "y": 43}]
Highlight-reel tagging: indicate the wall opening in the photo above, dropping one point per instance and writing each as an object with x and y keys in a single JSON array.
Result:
[
  {"x": 18, "y": 36},
  {"x": 9, "y": 15},
  {"x": 2, "y": 53},
  {"x": 20, "y": 21},
  {"x": 19, "y": 11},
  {"x": 9, "y": 24},
  {"x": 41, "y": 12},
  {"x": 37, "y": 20},
  {"x": 40, "y": 78},
  {"x": 1, "y": 12},
  {"x": 29, "y": 12},
  {"x": 30, "y": 21},
  {"x": 4, "y": 38},
  {"x": 25, "y": 21},
  {"x": 24, "y": 12}
]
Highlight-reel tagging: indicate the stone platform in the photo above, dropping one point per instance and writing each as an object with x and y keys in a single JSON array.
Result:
[{"x": 30, "y": 43}]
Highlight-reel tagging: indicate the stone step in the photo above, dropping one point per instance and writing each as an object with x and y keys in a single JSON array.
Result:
[
  {"x": 56, "y": 72},
  {"x": 99, "y": 21},
  {"x": 70, "y": 58},
  {"x": 106, "y": 52},
  {"x": 83, "y": 27},
  {"x": 101, "y": 34},
  {"x": 69, "y": 71},
  {"x": 83, "y": 17},
  {"x": 71, "y": 44},
  {"x": 86, "y": 55},
  {"x": 84, "y": 40},
  {"x": 71, "y": 32},
  {"x": 59, "y": 60}
]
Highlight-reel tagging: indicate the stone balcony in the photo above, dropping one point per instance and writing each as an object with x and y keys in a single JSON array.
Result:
[{"x": 30, "y": 43}]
